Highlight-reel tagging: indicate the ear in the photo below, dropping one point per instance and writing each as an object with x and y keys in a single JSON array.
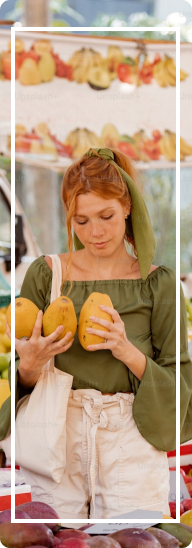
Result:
[{"x": 127, "y": 211}]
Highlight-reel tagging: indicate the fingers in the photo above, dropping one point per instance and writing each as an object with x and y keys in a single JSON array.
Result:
[
  {"x": 102, "y": 346},
  {"x": 64, "y": 340},
  {"x": 38, "y": 325},
  {"x": 99, "y": 332},
  {"x": 102, "y": 322},
  {"x": 65, "y": 347},
  {"x": 51, "y": 338},
  {"x": 113, "y": 313}
]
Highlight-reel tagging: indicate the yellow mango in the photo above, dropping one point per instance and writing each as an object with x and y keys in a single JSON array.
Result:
[
  {"x": 4, "y": 339},
  {"x": 4, "y": 391},
  {"x": 60, "y": 312},
  {"x": 25, "y": 317},
  {"x": 91, "y": 308}
]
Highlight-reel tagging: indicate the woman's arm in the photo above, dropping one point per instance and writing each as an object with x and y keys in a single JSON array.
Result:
[
  {"x": 118, "y": 343},
  {"x": 36, "y": 351}
]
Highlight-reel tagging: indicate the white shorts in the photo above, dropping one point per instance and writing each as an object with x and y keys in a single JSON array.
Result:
[{"x": 111, "y": 469}]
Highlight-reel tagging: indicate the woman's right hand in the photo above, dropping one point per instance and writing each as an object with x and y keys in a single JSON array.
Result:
[{"x": 37, "y": 350}]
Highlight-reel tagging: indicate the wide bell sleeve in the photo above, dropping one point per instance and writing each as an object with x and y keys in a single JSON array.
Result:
[
  {"x": 154, "y": 407},
  {"x": 185, "y": 378},
  {"x": 36, "y": 287}
]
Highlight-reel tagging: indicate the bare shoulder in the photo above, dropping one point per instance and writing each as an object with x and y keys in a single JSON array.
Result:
[
  {"x": 64, "y": 258},
  {"x": 153, "y": 267},
  {"x": 48, "y": 261}
]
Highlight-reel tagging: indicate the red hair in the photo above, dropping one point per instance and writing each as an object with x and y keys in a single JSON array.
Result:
[{"x": 94, "y": 174}]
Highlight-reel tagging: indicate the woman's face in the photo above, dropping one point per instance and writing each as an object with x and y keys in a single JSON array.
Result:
[{"x": 99, "y": 223}]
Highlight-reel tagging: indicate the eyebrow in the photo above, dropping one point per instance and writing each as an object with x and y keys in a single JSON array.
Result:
[{"x": 99, "y": 212}]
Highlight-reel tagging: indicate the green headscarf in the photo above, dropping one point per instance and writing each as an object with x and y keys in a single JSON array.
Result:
[{"x": 138, "y": 223}]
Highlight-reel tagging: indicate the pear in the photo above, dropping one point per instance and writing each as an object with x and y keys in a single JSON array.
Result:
[
  {"x": 36, "y": 147},
  {"x": 48, "y": 145},
  {"x": 29, "y": 73},
  {"x": 110, "y": 136},
  {"x": 47, "y": 67}
]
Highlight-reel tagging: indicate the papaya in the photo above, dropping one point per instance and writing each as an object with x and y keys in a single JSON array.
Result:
[
  {"x": 91, "y": 308},
  {"x": 60, "y": 312},
  {"x": 25, "y": 317},
  {"x": 166, "y": 540},
  {"x": 135, "y": 538},
  {"x": 20, "y": 535}
]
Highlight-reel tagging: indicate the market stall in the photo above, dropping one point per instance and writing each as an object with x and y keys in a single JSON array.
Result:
[{"x": 76, "y": 92}]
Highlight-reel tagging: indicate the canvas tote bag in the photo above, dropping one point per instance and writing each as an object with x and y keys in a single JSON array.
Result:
[{"x": 40, "y": 427}]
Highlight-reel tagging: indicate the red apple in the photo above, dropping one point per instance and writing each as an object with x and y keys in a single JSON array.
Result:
[
  {"x": 6, "y": 64},
  {"x": 172, "y": 506},
  {"x": 182, "y": 509},
  {"x": 187, "y": 504}
]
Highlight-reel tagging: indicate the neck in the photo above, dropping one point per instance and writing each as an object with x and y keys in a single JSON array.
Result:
[{"x": 110, "y": 266}]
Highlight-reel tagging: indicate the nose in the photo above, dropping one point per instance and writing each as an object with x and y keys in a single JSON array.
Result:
[{"x": 97, "y": 230}]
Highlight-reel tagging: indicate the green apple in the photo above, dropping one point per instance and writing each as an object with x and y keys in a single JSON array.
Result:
[
  {"x": 4, "y": 361},
  {"x": 4, "y": 374}
]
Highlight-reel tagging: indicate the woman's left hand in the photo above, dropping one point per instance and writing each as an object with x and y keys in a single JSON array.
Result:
[{"x": 116, "y": 338}]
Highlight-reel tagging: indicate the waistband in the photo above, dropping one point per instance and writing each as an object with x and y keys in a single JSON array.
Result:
[{"x": 82, "y": 394}]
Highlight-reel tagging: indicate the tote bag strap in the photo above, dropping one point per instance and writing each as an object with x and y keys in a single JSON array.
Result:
[
  {"x": 55, "y": 293},
  {"x": 56, "y": 277}
]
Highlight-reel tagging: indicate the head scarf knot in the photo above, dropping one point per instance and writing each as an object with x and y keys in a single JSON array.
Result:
[
  {"x": 138, "y": 223},
  {"x": 104, "y": 153}
]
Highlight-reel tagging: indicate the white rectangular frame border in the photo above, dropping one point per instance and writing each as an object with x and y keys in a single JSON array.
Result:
[{"x": 19, "y": 29}]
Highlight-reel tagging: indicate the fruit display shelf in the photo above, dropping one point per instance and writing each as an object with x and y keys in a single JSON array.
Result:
[{"x": 67, "y": 104}]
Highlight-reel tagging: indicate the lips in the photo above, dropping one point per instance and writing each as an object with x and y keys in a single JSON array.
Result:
[{"x": 100, "y": 244}]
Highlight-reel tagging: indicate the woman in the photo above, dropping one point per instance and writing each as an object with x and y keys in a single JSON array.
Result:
[{"x": 121, "y": 413}]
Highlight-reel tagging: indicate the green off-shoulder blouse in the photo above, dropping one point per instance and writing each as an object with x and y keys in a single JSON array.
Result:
[{"x": 148, "y": 309}]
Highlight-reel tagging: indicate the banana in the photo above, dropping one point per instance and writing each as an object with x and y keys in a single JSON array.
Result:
[
  {"x": 170, "y": 65},
  {"x": 182, "y": 155},
  {"x": 167, "y": 146},
  {"x": 170, "y": 71},
  {"x": 183, "y": 75},
  {"x": 160, "y": 73},
  {"x": 165, "y": 72},
  {"x": 185, "y": 148},
  {"x": 72, "y": 138},
  {"x": 114, "y": 57},
  {"x": 82, "y": 61}
]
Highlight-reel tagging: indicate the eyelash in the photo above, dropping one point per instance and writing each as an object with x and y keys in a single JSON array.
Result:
[{"x": 84, "y": 222}]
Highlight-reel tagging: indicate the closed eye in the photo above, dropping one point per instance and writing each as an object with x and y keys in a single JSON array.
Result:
[{"x": 84, "y": 222}]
